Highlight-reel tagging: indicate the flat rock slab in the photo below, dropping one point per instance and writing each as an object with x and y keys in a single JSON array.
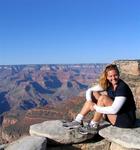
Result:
[
  {"x": 129, "y": 138},
  {"x": 28, "y": 143},
  {"x": 55, "y": 131}
]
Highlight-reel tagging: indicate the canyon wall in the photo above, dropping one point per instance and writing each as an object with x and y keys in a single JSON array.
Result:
[{"x": 131, "y": 67}]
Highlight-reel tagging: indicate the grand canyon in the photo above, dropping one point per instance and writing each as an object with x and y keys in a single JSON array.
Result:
[{"x": 33, "y": 93}]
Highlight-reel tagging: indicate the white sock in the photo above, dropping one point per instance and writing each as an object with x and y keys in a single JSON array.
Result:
[
  {"x": 79, "y": 118},
  {"x": 93, "y": 123}
]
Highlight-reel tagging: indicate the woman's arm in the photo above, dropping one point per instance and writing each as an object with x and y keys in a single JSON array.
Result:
[
  {"x": 96, "y": 88},
  {"x": 116, "y": 106}
]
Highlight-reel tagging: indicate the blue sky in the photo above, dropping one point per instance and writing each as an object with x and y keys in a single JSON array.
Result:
[{"x": 68, "y": 31}]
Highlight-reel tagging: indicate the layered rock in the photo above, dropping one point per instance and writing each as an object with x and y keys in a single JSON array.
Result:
[
  {"x": 131, "y": 67},
  {"x": 12, "y": 132},
  {"x": 24, "y": 87},
  {"x": 9, "y": 121}
]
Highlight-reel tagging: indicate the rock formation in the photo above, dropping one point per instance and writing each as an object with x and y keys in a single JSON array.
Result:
[
  {"x": 130, "y": 73},
  {"x": 129, "y": 66}
]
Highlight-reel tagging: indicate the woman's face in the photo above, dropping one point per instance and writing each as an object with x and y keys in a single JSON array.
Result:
[{"x": 113, "y": 77}]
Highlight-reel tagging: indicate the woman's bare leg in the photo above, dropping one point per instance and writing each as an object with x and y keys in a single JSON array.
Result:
[
  {"x": 104, "y": 101},
  {"x": 87, "y": 105},
  {"x": 86, "y": 108}
]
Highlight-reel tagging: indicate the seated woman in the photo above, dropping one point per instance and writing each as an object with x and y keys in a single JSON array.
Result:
[{"x": 118, "y": 104}]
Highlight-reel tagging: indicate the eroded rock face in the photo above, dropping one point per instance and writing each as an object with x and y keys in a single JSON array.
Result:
[
  {"x": 24, "y": 87},
  {"x": 55, "y": 131},
  {"x": 9, "y": 121},
  {"x": 129, "y": 66}
]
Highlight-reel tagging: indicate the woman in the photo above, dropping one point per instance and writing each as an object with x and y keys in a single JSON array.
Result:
[{"x": 118, "y": 104}]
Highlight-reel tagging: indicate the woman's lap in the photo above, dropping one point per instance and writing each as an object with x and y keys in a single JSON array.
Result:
[{"x": 125, "y": 120}]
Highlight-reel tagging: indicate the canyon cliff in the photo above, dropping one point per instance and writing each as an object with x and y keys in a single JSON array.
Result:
[
  {"x": 33, "y": 93},
  {"x": 16, "y": 124}
]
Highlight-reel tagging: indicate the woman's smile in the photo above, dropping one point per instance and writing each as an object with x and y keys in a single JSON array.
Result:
[{"x": 113, "y": 77}]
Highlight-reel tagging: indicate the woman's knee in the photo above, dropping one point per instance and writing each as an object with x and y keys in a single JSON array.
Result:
[
  {"x": 105, "y": 100},
  {"x": 103, "y": 97}
]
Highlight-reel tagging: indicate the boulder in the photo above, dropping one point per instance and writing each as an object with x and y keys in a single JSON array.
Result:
[
  {"x": 28, "y": 143},
  {"x": 55, "y": 131},
  {"x": 3, "y": 146},
  {"x": 125, "y": 137}
]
